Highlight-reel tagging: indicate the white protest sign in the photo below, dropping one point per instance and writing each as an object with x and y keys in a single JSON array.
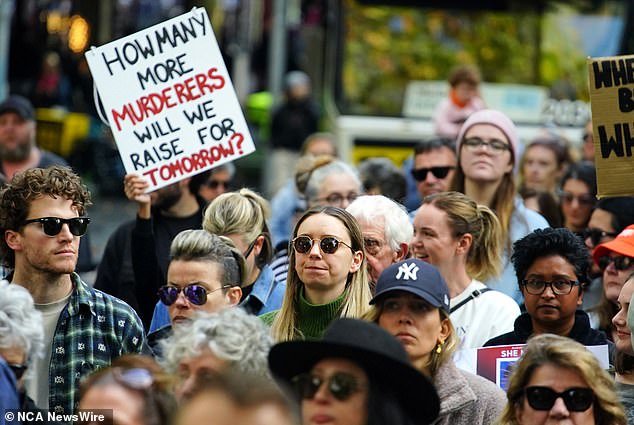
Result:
[{"x": 169, "y": 100}]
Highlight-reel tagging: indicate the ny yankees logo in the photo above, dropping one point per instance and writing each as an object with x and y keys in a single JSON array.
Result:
[{"x": 407, "y": 271}]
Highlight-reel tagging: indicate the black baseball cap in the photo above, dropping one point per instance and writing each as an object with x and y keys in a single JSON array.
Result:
[
  {"x": 20, "y": 105},
  {"x": 417, "y": 277}
]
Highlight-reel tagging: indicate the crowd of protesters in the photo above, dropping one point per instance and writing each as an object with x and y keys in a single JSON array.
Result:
[{"x": 217, "y": 306}]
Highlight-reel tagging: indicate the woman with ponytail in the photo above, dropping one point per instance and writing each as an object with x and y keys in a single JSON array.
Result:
[{"x": 463, "y": 240}]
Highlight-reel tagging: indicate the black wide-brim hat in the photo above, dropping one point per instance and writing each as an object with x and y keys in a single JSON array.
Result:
[{"x": 382, "y": 357}]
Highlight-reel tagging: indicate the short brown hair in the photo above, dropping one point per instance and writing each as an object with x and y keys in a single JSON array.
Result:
[
  {"x": 464, "y": 74},
  {"x": 31, "y": 184}
]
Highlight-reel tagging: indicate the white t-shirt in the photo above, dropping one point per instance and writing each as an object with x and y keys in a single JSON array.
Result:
[
  {"x": 37, "y": 384},
  {"x": 488, "y": 315}
]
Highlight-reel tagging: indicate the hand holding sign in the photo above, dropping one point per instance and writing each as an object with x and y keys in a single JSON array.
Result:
[{"x": 169, "y": 100}]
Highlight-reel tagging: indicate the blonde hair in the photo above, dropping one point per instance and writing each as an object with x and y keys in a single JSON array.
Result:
[
  {"x": 436, "y": 360},
  {"x": 357, "y": 292},
  {"x": 503, "y": 203},
  {"x": 565, "y": 353},
  {"x": 464, "y": 216},
  {"x": 243, "y": 212}
]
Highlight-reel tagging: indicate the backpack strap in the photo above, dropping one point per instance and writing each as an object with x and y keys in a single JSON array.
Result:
[{"x": 475, "y": 294}]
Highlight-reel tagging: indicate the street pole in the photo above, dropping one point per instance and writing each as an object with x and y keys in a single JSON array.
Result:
[{"x": 6, "y": 10}]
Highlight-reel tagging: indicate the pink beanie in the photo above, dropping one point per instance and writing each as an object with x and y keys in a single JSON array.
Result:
[{"x": 496, "y": 118}]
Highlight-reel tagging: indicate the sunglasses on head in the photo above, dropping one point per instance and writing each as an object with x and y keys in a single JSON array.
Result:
[
  {"x": 195, "y": 294},
  {"x": 420, "y": 174},
  {"x": 596, "y": 235},
  {"x": 620, "y": 262},
  {"x": 18, "y": 370},
  {"x": 53, "y": 225},
  {"x": 575, "y": 399},
  {"x": 328, "y": 245},
  {"x": 135, "y": 378},
  {"x": 341, "y": 385}
]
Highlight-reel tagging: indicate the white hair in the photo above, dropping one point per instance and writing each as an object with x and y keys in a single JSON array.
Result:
[
  {"x": 20, "y": 323},
  {"x": 398, "y": 228},
  {"x": 231, "y": 334},
  {"x": 319, "y": 175}
]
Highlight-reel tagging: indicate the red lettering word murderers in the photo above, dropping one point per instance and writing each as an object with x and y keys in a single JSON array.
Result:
[
  {"x": 204, "y": 158},
  {"x": 153, "y": 104}
]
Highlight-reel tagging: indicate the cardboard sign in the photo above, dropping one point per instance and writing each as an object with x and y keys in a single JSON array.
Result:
[
  {"x": 169, "y": 100},
  {"x": 611, "y": 83},
  {"x": 496, "y": 363}
]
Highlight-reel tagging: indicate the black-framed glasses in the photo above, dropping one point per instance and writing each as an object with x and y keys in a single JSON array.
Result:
[
  {"x": 53, "y": 225},
  {"x": 195, "y": 294},
  {"x": 328, "y": 245},
  {"x": 494, "y": 145},
  {"x": 559, "y": 286},
  {"x": 340, "y": 384},
  {"x": 336, "y": 199},
  {"x": 577, "y": 399},
  {"x": 249, "y": 249},
  {"x": 18, "y": 370},
  {"x": 420, "y": 174},
  {"x": 215, "y": 184},
  {"x": 597, "y": 236},
  {"x": 569, "y": 197},
  {"x": 620, "y": 262}
]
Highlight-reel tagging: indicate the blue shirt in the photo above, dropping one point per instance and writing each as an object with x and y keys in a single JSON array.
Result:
[
  {"x": 8, "y": 393},
  {"x": 266, "y": 290}
]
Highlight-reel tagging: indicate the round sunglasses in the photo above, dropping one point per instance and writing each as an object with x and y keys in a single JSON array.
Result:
[
  {"x": 544, "y": 398},
  {"x": 340, "y": 384},
  {"x": 328, "y": 245},
  {"x": 195, "y": 294},
  {"x": 53, "y": 225}
]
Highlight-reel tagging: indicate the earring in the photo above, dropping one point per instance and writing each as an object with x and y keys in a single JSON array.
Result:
[{"x": 439, "y": 348}]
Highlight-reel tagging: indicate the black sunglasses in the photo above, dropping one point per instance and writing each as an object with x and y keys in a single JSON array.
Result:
[
  {"x": 420, "y": 174},
  {"x": 620, "y": 263},
  {"x": 341, "y": 385},
  {"x": 53, "y": 225},
  {"x": 195, "y": 294},
  {"x": 569, "y": 197},
  {"x": 18, "y": 370},
  {"x": 214, "y": 184},
  {"x": 596, "y": 235},
  {"x": 328, "y": 245},
  {"x": 575, "y": 399}
]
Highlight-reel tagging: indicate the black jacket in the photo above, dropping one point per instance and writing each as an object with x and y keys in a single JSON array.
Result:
[{"x": 581, "y": 332}]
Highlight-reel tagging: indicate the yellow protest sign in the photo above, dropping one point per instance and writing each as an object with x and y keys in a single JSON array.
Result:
[{"x": 611, "y": 83}]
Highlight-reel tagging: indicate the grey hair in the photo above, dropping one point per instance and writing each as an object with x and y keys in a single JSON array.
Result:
[
  {"x": 227, "y": 166},
  {"x": 20, "y": 323},
  {"x": 200, "y": 245},
  {"x": 232, "y": 335},
  {"x": 319, "y": 175},
  {"x": 372, "y": 208}
]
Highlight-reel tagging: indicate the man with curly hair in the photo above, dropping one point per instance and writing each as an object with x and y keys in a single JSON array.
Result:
[
  {"x": 42, "y": 217},
  {"x": 552, "y": 271}
]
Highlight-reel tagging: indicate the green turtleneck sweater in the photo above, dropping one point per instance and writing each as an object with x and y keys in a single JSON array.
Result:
[{"x": 312, "y": 319}]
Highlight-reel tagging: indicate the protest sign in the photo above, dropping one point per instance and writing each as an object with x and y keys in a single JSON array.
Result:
[
  {"x": 495, "y": 363},
  {"x": 169, "y": 100},
  {"x": 611, "y": 83}
]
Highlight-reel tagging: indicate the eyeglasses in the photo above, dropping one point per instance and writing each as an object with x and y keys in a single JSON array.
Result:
[
  {"x": 575, "y": 399},
  {"x": 559, "y": 286},
  {"x": 53, "y": 225},
  {"x": 597, "y": 236},
  {"x": 494, "y": 145},
  {"x": 420, "y": 174},
  {"x": 620, "y": 262},
  {"x": 372, "y": 246},
  {"x": 341, "y": 385},
  {"x": 585, "y": 200},
  {"x": 328, "y": 245},
  {"x": 214, "y": 184},
  {"x": 134, "y": 378},
  {"x": 18, "y": 370},
  {"x": 336, "y": 199},
  {"x": 195, "y": 294},
  {"x": 246, "y": 253}
]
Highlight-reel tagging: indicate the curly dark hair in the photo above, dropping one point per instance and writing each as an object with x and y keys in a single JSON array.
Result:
[
  {"x": 17, "y": 195},
  {"x": 546, "y": 242}
]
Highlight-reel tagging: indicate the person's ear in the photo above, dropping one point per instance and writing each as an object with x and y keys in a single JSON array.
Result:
[
  {"x": 233, "y": 295},
  {"x": 401, "y": 254},
  {"x": 357, "y": 260},
  {"x": 445, "y": 330},
  {"x": 464, "y": 243},
  {"x": 13, "y": 239}
]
